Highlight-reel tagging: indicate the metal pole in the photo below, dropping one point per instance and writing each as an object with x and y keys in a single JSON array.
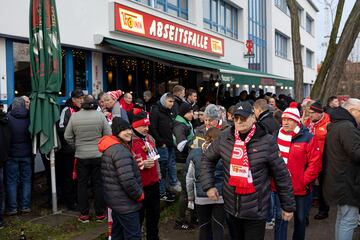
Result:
[{"x": 53, "y": 181}]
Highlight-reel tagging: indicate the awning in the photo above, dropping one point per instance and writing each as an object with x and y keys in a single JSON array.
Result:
[{"x": 229, "y": 73}]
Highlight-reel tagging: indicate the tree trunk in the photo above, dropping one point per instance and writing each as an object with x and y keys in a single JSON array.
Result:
[
  {"x": 296, "y": 51},
  {"x": 321, "y": 77},
  {"x": 344, "y": 47}
]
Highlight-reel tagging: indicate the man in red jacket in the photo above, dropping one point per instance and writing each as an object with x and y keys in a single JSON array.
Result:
[
  {"x": 316, "y": 124},
  {"x": 144, "y": 145},
  {"x": 301, "y": 153}
]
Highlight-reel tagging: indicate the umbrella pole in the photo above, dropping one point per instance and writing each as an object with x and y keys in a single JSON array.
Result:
[{"x": 53, "y": 182}]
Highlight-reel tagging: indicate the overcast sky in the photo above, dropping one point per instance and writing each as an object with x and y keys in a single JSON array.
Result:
[{"x": 321, "y": 32}]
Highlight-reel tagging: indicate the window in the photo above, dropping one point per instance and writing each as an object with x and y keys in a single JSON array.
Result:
[
  {"x": 300, "y": 15},
  {"x": 282, "y": 5},
  {"x": 281, "y": 45},
  {"x": 178, "y": 8},
  {"x": 221, "y": 17},
  {"x": 257, "y": 33},
  {"x": 309, "y": 24},
  {"x": 309, "y": 58},
  {"x": 22, "y": 78}
]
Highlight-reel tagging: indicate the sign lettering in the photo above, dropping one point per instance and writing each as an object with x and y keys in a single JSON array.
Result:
[{"x": 142, "y": 24}]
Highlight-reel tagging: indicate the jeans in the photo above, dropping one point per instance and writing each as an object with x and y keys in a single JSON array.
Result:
[
  {"x": 281, "y": 226},
  {"x": 126, "y": 226},
  {"x": 90, "y": 169},
  {"x": 272, "y": 210},
  {"x": 151, "y": 211},
  {"x": 1, "y": 194},
  {"x": 245, "y": 229},
  {"x": 18, "y": 170},
  {"x": 346, "y": 222},
  {"x": 168, "y": 167},
  {"x": 211, "y": 220}
]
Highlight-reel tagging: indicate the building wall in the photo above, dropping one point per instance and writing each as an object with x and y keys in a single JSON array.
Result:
[
  {"x": 3, "y": 93},
  {"x": 279, "y": 21}
]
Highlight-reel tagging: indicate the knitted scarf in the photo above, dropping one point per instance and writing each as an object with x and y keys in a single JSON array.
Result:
[
  {"x": 240, "y": 173},
  {"x": 284, "y": 142}
]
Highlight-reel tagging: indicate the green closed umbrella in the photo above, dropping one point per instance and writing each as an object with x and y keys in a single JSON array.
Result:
[{"x": 46, "y": 76}]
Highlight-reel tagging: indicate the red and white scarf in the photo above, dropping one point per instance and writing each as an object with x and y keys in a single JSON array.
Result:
[
  {"x": 240, "y": 173},
  {"x": 284, "y": 142}
]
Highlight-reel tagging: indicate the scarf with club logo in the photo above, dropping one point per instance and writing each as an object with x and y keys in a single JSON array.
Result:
[{"x": 240, "y": 173}]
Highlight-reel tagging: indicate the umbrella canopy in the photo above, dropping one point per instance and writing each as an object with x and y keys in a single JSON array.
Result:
[{"x": 46, "y": 72}]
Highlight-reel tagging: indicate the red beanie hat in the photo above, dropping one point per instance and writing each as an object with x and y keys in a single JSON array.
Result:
[{"x": 115, "y": 94}]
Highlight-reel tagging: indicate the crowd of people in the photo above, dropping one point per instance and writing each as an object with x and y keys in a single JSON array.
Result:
[{"x": 252, "y": 164}]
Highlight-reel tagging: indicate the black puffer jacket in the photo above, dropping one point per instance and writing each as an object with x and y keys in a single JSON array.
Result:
[
  {"x": 267, "y": 120},
  {"x": 263, "y": 153},
  {"x": 161, "y": 125},
  {"x": 342, "y": 160},
  {"x": 120, "y": 176}
]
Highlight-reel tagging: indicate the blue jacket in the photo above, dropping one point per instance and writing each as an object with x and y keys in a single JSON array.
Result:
[
  {"x": 19, "y": 121},
  {"x": 195, "y": 158}
]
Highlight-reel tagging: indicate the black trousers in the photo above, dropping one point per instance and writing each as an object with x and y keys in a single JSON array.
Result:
[
  {"x": 244, "y": 229},
  {"x": 211, "y": 220},
  {"x": 90, "y": 169},
  {"x": 151, "y": 211},
  {"x": 323, "y": 207}
]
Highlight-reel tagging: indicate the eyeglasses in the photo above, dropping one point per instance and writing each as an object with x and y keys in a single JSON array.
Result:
[{"x": 241, "y": 118}]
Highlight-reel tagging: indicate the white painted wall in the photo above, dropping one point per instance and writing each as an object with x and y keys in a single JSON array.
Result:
[{"x": 278, "y": 20}]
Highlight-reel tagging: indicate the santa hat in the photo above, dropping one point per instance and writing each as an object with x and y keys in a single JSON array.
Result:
[
  {"x": 140, "y": 118},
  {"x": 292, "y": 112},
  {"x": 115, "y": 94}
]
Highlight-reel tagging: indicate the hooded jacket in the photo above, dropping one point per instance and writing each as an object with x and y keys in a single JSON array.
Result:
[
  {"x": 304, "y": 162},
  {"x": 183, "y": 135},
  {"x": 342, "y": 160},
  {"x": 5, "y": 138},
  {"x": 263, "y": 154},
  {"x": 19, "y": 121},
  {"x": 267, "y": 120},
  {"x": 161, "y": 125},
  {"x": 120, "y": 177},
  {"x": 320, "y": 130}
]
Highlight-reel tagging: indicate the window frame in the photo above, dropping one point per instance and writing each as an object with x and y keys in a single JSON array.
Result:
[
  {"x": 311, "y": 21},
  {"x": 281, "y": 42},
  {"x": 311, "y": 63}
]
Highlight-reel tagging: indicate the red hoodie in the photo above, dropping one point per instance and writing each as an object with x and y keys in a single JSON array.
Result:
[{"x": 127, "y": 107}]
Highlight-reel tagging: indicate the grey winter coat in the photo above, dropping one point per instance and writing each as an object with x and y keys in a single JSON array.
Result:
[{"x": 83, "y": 132}]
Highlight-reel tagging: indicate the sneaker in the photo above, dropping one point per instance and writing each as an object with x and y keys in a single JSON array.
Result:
[
  {"x": 84, "y": 218},
  {"x": 183, "y": 226},
  {"x": 359, "y": 220},
  {"x": 100, "y": 218},
  {"x": 25, "y": 210},
  {"x": 175, "y": 189},
  {"x": 1, "y": 225},
  {"x": 11, "y": 213},
  {"x": 269, "y": 225},
  {"x": 167, "y": 197}
]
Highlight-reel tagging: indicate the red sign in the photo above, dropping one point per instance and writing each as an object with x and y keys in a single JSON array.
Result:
[
  {"x": 249, "y": 46},
  {"x": 142, "y": 24}
]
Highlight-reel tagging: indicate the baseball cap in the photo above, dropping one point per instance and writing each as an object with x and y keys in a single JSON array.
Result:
[
  {"x": 77, "y": 93},
  {"x": 243, "y": 109}
]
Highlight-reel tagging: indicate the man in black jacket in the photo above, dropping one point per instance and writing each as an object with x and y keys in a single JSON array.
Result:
[
  {"x": 249, "y": 155},
  {"x": 161, "y": 125},
  {"x": 5, "y": 138},
  {"x": 264, "y": 116},
  {"x": 179, "y": 96},
  {"x": 342, "y": 166}
]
